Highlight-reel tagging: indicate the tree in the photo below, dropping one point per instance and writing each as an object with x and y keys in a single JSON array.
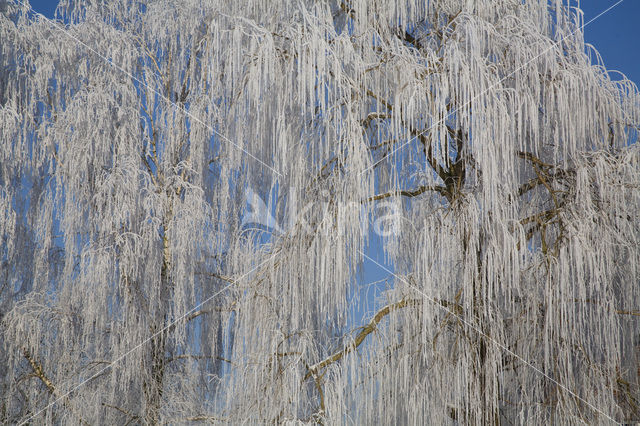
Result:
[{"x": 494, "y": 153}]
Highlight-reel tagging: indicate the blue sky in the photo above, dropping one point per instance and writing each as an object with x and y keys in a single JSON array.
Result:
[{"x": 616, "y": 34}]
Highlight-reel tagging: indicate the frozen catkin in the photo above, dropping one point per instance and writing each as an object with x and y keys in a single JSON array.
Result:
[{"x": 194, "y": 194}]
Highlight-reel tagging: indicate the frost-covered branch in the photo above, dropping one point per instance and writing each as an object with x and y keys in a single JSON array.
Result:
[
  {"x": 410, "y": 193},
  {"x": 38, "y": 371},
  {"x": 360, "y": 337}
]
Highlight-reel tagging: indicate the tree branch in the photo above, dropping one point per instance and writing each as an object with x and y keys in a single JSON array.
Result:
[
  {"x": 198, "y": 357},
  {"x": 617, "y": 311},
  {"x": 131, "y": 416},
  {"x": 38, "y": 372},
  {"x": 366, "y": 330},
  {"x": 407, "y": 193}
]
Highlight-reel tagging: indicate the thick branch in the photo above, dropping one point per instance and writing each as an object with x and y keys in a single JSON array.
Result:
[
  {"x": 422, "y": 189},
  {"x": 533, "y": 159},
  {"x": 38, "y": 371},
  {"x": 543, "y": 216},
  {"x": 528, "y": 186},
  {"x": 366, "y": 330}
]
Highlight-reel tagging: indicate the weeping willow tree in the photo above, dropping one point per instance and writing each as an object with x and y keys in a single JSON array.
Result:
[{"x": 132, "y": 290}]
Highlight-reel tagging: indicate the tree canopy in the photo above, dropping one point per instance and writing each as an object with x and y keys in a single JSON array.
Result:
[{"x": 481, "y": 146}]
